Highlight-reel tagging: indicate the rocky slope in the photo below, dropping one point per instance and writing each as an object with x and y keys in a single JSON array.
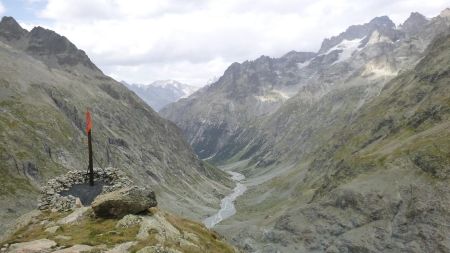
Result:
[
  {"x": 46, "y": 84},
  {"x": 161, "y": 93},
  {"x": 378, "y": 183},
  {"x": 355, "y": 160}
]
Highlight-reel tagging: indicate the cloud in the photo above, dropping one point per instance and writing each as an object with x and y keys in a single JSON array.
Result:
[
  {"x": 192, "y": 41},
  {"x": 2, "y": 8}
]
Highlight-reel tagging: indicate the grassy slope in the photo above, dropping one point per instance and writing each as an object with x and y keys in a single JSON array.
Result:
[{"x": 97, "y": 231}]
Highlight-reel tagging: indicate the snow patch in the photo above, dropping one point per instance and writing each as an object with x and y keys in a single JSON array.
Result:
[
  {"x": 348, "y": 47},
  {"x": 301, "y": 65}
]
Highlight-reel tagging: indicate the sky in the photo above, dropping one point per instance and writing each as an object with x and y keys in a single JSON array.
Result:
[{"x": 194, "y": 41}]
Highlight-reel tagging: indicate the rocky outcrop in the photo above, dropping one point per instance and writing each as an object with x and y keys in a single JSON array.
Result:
[{"x": 119, "y": 203}]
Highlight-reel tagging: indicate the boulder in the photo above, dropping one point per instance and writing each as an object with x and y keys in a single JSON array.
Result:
[{"x": 117, "y": 204}]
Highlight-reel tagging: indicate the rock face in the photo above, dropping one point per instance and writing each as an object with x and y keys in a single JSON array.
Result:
[{"x": 119, "y": 203}]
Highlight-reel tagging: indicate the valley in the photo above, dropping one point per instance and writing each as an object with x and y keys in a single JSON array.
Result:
[
  {"x": 340, "y": 150},
  {"x": 353, "y": 160}
]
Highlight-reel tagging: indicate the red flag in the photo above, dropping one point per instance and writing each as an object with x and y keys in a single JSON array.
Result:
[{"x": 88, "y": 122}]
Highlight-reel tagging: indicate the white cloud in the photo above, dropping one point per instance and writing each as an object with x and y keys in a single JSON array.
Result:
[
  {"x": 2, "y": 8},
  {"x": 192, "y": 41}
]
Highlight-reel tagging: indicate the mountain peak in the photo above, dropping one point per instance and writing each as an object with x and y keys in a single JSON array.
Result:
[
  {"x": 415, "y": 16},
  {"x": 8, "y": 19},
  {"x": 414, "y": 23},
  {"x": 10, "y": 29},
  {"x": 445, "y": 13},
  {"x": 383, "y": 24},
  {"x": 382, "y": 21},
  {"x": 298, "y": 56},
  {"x": 45, "y": 42}
]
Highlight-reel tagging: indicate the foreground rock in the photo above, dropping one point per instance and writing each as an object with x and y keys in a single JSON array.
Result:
[
  {"x": 43, "y": 245},
  {"x": 119, "y": 203}
]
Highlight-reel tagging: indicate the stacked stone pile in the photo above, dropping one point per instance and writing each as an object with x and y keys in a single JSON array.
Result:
[{"x": 51, "y": 198}]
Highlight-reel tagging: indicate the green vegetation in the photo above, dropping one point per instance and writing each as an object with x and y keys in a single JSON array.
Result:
[{"x": 96, "y": 231}]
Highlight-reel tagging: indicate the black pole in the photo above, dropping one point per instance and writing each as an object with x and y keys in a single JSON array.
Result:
[{"x": 91, "y": 165}]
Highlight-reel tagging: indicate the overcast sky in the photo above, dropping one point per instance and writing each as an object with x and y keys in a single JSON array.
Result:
[{"x": 193, "y": 41}]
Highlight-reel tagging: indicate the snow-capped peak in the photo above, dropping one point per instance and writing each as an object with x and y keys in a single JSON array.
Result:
[{"x": 162, "y": 92}]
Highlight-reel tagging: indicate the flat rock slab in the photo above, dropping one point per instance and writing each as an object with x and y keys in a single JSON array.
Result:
[
  {"x": 75, "y": 216},
  {"x": 42, "y": 245},
  {"x": 117, "y": 204},
  {"x": 75, "y": 249}
]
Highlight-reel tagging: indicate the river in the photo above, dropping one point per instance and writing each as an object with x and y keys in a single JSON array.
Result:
[{"x": 227, "y": 208}]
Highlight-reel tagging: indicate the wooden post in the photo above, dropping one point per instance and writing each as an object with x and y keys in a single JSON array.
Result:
[
  {"x": 91, "y": 164},
  {"x": 89, "y": 134}
]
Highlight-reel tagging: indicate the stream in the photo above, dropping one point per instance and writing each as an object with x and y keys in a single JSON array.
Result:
[{"x": 227, "y": 208}]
